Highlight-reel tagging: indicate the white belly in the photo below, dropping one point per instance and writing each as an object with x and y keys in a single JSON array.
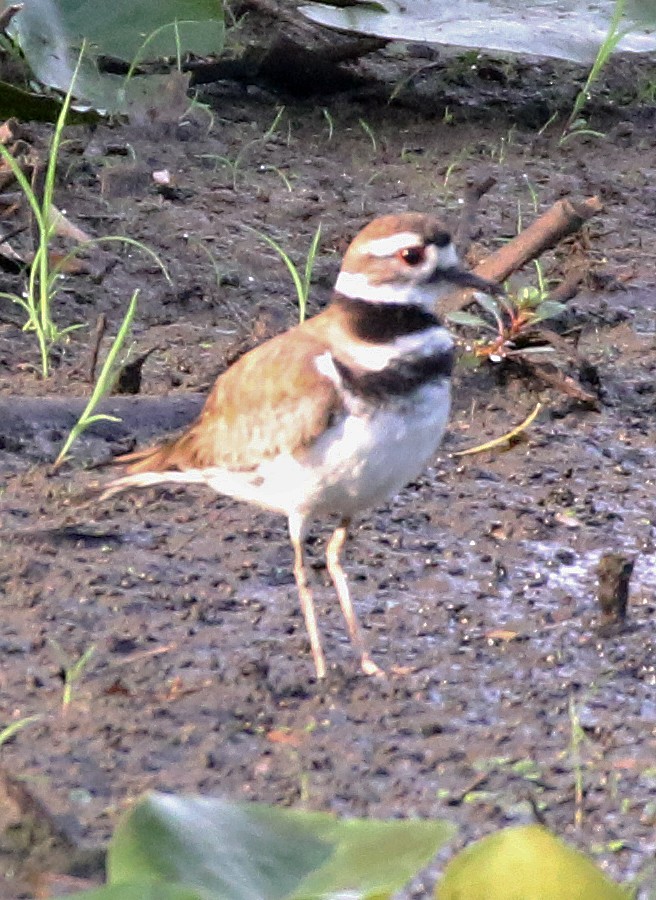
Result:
[
  {"x": 360, "y": 462},
  {"x": 369, "y": 459}
]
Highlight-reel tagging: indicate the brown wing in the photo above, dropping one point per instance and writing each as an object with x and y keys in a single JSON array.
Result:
[{"x": 271, "y": 400}]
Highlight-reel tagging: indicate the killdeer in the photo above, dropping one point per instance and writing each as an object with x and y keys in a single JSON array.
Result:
[{"x": 337, "y": 414}]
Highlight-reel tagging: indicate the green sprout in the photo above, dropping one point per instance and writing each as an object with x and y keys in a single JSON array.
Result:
[
  {"x": 301, "y": 282},
  {"x": 72, "y": 671},
  {"x": 103, "y": 385},
  {"x": 41, "y": 289},
  {"x": 507, "y": 320}
]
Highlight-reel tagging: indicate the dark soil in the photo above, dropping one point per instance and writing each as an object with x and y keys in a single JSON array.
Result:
[{"x": 478, "y": 581}]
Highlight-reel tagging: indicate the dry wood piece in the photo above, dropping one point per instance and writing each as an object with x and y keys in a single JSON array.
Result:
[
  {"x": 98, "y": 335},
  {"x": 476, "y": 188},
  {"x": 614, "y": 573},
  {"x": 8, "y": 14},
  {"x": 551, "y": 375},
  {"x": 565, "y": 217},
  {"x": 287, "y": 65}
]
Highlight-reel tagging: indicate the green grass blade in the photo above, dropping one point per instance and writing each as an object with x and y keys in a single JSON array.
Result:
[
  {"x": 10, "y": 730},
  {"x": 103, "y": 383},
  {"x": 309, "y": 268}
]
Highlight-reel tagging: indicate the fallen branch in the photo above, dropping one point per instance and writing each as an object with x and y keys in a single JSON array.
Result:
[
  {"x": 551, "y": 376},
  {"x": 476, "y": 188},
  {"x": 287, "y": 65},
  {"x": 564, "y": 218}
]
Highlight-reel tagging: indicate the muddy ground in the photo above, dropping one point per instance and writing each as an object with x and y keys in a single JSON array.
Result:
[{"x": 479, "y": 579}]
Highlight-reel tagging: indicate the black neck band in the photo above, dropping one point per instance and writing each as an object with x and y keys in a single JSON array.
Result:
[{"x": 381, "y": 323}]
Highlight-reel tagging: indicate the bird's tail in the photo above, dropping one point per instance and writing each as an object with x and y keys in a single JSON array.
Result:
[{"x": 154, "y": 465}]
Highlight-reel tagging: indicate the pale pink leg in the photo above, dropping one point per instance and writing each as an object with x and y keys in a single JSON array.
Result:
[
  {"x": 336, "y": 572},
  {"x": 305, "y": 597}
]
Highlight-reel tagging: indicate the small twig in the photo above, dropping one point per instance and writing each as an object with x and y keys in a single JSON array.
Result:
[
  {"x": 504, "y": 439},
  {"x": 569, "y": 287},
  {"x": 551, "y": 375},
  {"x": 476, "y": 188},
  {"x": 99, "y": 333},
  {"x": 140, "y": 655},
  {"x": 475, "y": 783},
  {"x": 564, "y": 218}
]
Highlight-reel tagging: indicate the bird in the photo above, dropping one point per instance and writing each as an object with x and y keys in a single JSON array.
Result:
[{"x": 335, "y": 415}]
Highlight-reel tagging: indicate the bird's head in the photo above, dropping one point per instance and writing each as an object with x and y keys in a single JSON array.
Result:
[{"x": 407, "y": 258}]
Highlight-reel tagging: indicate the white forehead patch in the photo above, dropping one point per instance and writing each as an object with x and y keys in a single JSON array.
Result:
[
  {"x": 447, "y": 256},
  {"x": 388, "y": 246}
]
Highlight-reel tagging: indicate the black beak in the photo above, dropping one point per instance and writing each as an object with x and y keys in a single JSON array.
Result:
[{"x": 464, "y": 279}]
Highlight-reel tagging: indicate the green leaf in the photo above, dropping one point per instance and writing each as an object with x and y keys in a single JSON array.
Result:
[
  {"x": 141, "y": 890},
  {"x": 489, "y": 305},
  {"x": 245, "y": 851},
  {"x": 50, "y": 34},
  {"x": 14, "y": 727},
  {"x": 125, "y": 27},
  {"x": 374, "y": 859},
  {"x": 460, "y": 317},
  {"x": 548, "y": 309},
  {"x": 222, "y": 849},
  {"x": 528, "y": 863},
  {"x": 26, "y": 106},
  {"x": 569, "y": 29}
]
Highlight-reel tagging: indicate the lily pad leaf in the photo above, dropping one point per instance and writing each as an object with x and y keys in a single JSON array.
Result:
[
  {"x": 23, "y": 105},
  {"x": 50, "y": 34},
  {"x": 373, "y": 860},
  {"x": 527, "y": 862},
  {"x": 141, "y": 890},
  {"x": 227, "y": 851},
  {"x": 563, "y": 29}
]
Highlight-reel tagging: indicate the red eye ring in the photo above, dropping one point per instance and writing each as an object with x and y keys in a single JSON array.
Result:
[{"x": 413, "y": 255}]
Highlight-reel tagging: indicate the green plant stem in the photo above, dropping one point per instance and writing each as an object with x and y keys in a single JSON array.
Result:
[
  {"x": 10, "y": 730},
  {"x": 612, "y": 39},
  {"x": 39, "y": 291},
  {"x": 102, "y": 385},
  {"x": 73, "y": 673},
  {"x": 301, "y": 283}
]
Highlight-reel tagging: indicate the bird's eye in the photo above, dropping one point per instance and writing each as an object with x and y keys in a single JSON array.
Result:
[{"x": 413, "y": 255}]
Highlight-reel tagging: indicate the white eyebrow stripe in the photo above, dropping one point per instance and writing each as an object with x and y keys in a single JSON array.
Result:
[{"x": 388, "y": 246}]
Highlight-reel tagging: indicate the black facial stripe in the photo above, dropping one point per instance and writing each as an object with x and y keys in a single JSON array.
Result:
[
  {"x": 440, "y": 238},
  {"x": 381, "y": 323},
  {"x": 463, "y": 278},
  {"x": 399, "y": 378}
]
